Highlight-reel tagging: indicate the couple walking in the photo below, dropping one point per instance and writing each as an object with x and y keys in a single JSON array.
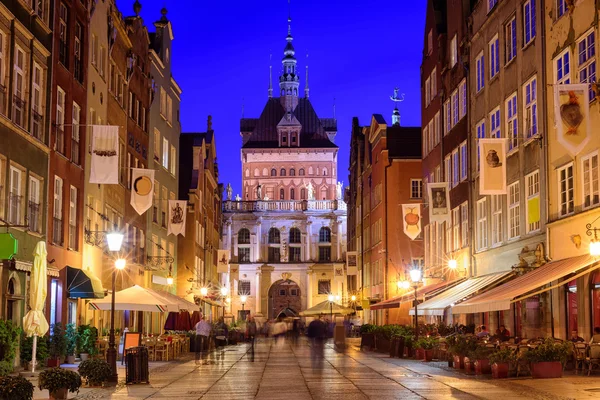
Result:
[{"x": 204, "y": 329}]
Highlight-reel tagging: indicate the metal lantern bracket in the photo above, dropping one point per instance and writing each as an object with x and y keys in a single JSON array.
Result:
[{"x": 592, "y": 230}]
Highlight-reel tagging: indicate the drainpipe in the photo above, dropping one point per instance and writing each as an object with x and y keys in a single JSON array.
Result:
[{"x": 385, "y": 216}]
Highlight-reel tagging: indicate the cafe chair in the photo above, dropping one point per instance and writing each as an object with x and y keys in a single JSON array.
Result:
[{"x": 594, "y": 358}]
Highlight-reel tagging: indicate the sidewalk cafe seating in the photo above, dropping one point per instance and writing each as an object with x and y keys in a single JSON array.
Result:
[
  {"x": 594, "y": 357},
  {"x": 580, "y": 355}
]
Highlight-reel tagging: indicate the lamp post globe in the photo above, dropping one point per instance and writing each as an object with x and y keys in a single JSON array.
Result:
[
  {"x": 595, "y": 248},
  {"x": 114, "y": 240},
  {"x": 452, "y": 264},
  {"x": 415, "y": 277},
  {"x": 204, "y": 292}
]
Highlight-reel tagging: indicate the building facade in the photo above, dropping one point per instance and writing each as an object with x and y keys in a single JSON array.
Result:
[{"x": 287, "y": 236}]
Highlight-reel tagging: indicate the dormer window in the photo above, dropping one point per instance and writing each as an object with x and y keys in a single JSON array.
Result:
[{"x": 284, "y": 139}]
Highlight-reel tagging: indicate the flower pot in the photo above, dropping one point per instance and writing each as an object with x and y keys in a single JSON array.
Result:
[
  {"x": 60, "y": 394},
  {"x": 482, "y": 367},
  {"x": 500, "y": 371},
  {"x": 84, "y": 356},
  {"x": 53, "y": 362},
  {"x": 394, "y": 347},
  {"x": 367, "y": 340},
  {"x": 382, "y": 344},
  {"x": 30, "y": 365},
  {"x": 419, "y": 354},
  {"x": 546, "y": 369},
  {"x": 459, "y": 362},
  {"x": 401, "y": 347},
  {"x": 70, "y": 359},
  {"x": 428, "y": 355},
  {"x": 469, "y": 366}
]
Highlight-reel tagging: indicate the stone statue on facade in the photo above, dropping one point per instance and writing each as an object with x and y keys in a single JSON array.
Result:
[
  {"x": 311, "y": 191},
  {"x": 284, "y": 251},
  {"x": 339, "y": 188},
  {"x": 238, "y": 197},
  {"x": 259, "y": 192},
  {"x": 229, "y": 191}
]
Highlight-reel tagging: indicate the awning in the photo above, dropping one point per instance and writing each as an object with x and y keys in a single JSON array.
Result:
[
  {"x": 500, "y": 298},
  {"x": 410, "y": 296},
  {"x": 436, "y": 305},
  {"x": 326, "y": 308},
  {"x": 83, "y": 284}
]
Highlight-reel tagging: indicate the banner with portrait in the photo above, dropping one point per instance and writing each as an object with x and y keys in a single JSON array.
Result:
[
  {"x": 223, "y": 261},
  {"x": 492, "y": 167},
  {"x": 439, "y": 202},
  {"x": 572, "y": 116},
  {"x": 142, "y": 189},
  {"x": 338, "y": 271},
  {"x": 104, "y": 166},
  {"x": 177, "y": 212},
  {"x": 352, "y": 263},
  {"x": 411, "y": 220}
]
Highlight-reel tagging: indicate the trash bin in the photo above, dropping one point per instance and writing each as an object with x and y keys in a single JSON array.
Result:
[{"x": 136, "y": 365}]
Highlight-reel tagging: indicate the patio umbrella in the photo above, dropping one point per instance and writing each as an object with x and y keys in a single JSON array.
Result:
[
  {"x": 136, "y": 298},
  {"x": 171, "y": 323},
  {"x": 34, "y": 322},
  {"x": 325, "y": 308}
]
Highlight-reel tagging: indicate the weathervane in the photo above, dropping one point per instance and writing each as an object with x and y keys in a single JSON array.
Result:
[{"x": 395, "y": 98}]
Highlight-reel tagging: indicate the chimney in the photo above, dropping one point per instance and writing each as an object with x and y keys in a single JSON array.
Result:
[{"x": 209, "y": 124}]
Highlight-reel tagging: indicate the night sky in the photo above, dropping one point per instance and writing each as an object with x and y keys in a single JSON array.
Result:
[{"x": 358, "y": 52}]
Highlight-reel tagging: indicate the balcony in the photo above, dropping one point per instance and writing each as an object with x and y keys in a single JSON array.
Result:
[
  {"x": 60, "y": 140},
  {"x": 73, "y": 243},
  {"x": 14, "y": 208},
  {"x": 57, "y": 231},
  {"x": 37, "y": 125},
  {"x": 2, "y": 99},
  {"x": 18, "y": 111},
  {"x": 33, "y": 217},
  {"x": 284, "y": 205},
  {"x": 75, "y": 151}
]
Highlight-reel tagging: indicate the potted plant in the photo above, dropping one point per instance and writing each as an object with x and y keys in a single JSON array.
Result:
[
  {"x": 57, "y": 345},
  {"x": 500, "y": 361},
  {"x": 59, "y": 382},
  {"x": 86, "y": 343},
  {"x": 15, "y": 387},
  {"x": 367, "y": 336},
  {"x": 9, "y": 341},
  {"x": 95, "y": 372},
  {"x": 547, "y": 359},
  {"x": 428, "y": 345},
  {"x": 460, "y": 345},
  {"x": 479, "y": 359},
  {"x": 71, "y": 342},
  {"x": 41, "y": 353},
  {"x": 5, "y": 368}
]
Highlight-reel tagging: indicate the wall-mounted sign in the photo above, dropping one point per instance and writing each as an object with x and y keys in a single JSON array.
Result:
[{"x": 9, "y": 246}]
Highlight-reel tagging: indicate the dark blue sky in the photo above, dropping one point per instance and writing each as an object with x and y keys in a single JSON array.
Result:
[{"x": 358, "y": 52}]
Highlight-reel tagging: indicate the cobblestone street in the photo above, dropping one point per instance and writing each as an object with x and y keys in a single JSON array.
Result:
[{"x": 286, "y": 373}]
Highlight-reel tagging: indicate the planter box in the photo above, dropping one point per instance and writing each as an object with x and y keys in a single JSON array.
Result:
[
  {"x": 382, "y": 344},
  {"x": 548, "y": 369},
  {"x": 60, "y": 394},
  {"x": 367, "y": 340},
  {"x": 53, "y": 362},
  {"x": 419, "y": 354},
  {"x": 469, "y": 366},
  {"x": 458, "y": 362},
  {"x": 500, "y": 371},
  {"x": 482, "y": 367},
  {"x": 428, "y": 355},
  {"x": 394, "y": 345}
]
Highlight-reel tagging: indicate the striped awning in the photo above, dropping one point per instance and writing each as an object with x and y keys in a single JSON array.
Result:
[{"x": 423, "y": 291}]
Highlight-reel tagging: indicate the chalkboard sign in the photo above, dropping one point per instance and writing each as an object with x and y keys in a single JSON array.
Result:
[{"x": 132, "y": 339}]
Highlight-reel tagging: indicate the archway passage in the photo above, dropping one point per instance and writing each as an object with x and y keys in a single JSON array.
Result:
[{"x": 284, "y": 298}]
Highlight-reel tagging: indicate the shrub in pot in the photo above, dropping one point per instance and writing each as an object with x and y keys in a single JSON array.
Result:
[
  {"x": 59, "y": 382},
  {"x": 15, "y": 388},
  {"x": 9, "y": 340},
  {"x": 547, "y": 358},
  {"x": 479, "y": 358},
  {"x": 500, "y": 361},
  {"x": 459, "y": 347},
  {"x": 41, "y": 353},
  {"x": 5, "y": 368},
  {"x": 57, "y": 345},
  {"x": 95, "y": 372},
  {"x": 71, "y": 342},
  {"x": 428, "y": 345},
  {"x": 86, "y": 341}
]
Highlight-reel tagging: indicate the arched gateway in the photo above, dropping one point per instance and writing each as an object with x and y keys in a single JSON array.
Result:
[{"x": 284, "y": 299}]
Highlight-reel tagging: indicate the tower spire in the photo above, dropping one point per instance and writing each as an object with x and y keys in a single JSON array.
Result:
[
  {"x": 306, "y": 89},
  {"x": 270, "y": 76},
  {"x": 288, "y": 81}
]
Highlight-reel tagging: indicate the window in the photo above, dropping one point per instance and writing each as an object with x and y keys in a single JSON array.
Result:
[
  {"x": 60, "y": 120},
  {"x": 448, "y": 238},
  {"x": 244, "y": 254},
  {"x": 157, "y": 142},
  {"x": 102, "y": 61},
  {"x": 464, "y": 222},
  {"x": 243, "y": 236},
  {"x": 165, "y": 155},
  {"x": 163, "y": 103},
  {"x": 292, "y": 194},
  {"x": 430, "y": 42},
  {"x": 528, "y": 21},
  {"x": 302, "y": 194},
  {"x": 456, "y": 228},
  {"x": 495, "y": 123},
  {"x": 447, "y": 170},
  {"x": 514, "y": 211},
  {"x": 533, "y": 199},
  {"x": 480, "y": 135},
  {"x": 562, "y": 68},
  {"x": 173, "y": 168},
  {"x": 463, "y": 161},
  {"x": 19, "y": 87},
  {"x": 15, "y": 213},
  {"x": 462, "y": 94},
  {"x": 587, "y": 61},
  {"x": 447, "y": 116},
  {"x": 73, "y": 218},
  {"x": 482, "y": 226},
  {"x": 169, "y": 110},
  {"x": 33, "y": 207},
  {"x": 589, "y": 168},
  {"x": 561, "y": 8},
  {"x": 295, "y": 236},
  {"x": 324, "y": 253},
  {"x": 426, "y": 142},
  {"x": 57, "y": 237},
  {"x": 565, "y": 190},
  {"x": 512, "y": 123},
  {"x": 427, "y": 91},
  {"x": 494, "y": 57},
  {"x": 324, "y": 286},
  {"x": 282, "y": 172},
  {"x": 243, "y": 288},
  {"x": 325, "y": 235},
  {"x": 292, "y": 172},
  {"x": 274, "y": 236},
  {"x": 281, "y": 194},
  {"x": 301, "y": 172},
  {"x": 455, "y": 168},
  {"x": 324, "y": 171},
  {"x": 480, "y": 71},
  {"x": 416, "y": 188},
  {"x": 94, "y": 50},
  {"x": 63, "y": 47},
  {"x": 274, "y": 254},
  {"x": 437, "y": 129},
  {"x": 491, "y": 4},
  {"x": 510, "y": 40},
  {"x": 2, "y": 72},
  {"x": 530, "y": 94},
  {"x": 433, "y": 78},
  {"x": 37, "y": 124},
  {"x": 497, "y": 219},
  {"x": 273, "y": 172},
  {"x": 455, "y": 106},
  {"x": 453, "y": 51},
  {"x": 75, "y": 133},
  {"x": 78, "y": 53}
]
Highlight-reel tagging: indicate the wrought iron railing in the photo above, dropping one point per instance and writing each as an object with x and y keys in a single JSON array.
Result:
[
  {"x": 75, "y": 151},
  {"x": 37, "y": 125},
  {"x": 73, "y": 242},
  {"x": 57, "y": 231},
  {"x": 14, "y": 208},
  {"x": 33, "y": 217}
]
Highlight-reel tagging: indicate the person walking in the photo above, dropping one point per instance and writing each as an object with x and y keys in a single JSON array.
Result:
[
  {"x": 203, "y": 330},
  {"x": 221, "y": 334},
  {"x": 251, "y": 331},
  {"x": 317, "y": 332}
]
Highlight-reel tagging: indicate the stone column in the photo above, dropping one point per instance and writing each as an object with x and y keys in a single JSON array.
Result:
[
  {"x": 258, "y": 295},
  {"x": 309, "y": 288},
  {"x": 257, "y": 249},
  {"x": 338, "y": 239},
  {"x": 228, "y": 245}
]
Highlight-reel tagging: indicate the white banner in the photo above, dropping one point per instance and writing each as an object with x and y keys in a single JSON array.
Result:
[
  {"x": 411, "y": 220},
  {"x": 222, "y": 261},
  {"x": 177, "y": 212},
  {"x": 104, "y": 166},
  {"x": 439, "y": 202},
  {"x": 352, "y": 263},
  {"x": 142, "y": 189},
  {"x": 492, "y": 166},
  {"x": 572, "y": 116}
]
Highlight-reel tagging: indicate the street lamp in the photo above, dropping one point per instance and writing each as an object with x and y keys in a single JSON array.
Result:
[
  {"x": 353, "y": 300},
  {"x": 223, "y": 295},
  {"x": 243, "y": 299},
  {"x": 114, "y": 240},
  {"x": 452, "y": 264},
  {"x": 331, "y": 298},
  {"x": 415, "y": 277},
  {"x": 170, "y": 276}
]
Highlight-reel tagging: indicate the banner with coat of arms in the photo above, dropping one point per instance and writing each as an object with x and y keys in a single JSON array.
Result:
[
  {"x": 177, "y": 212},
  {"x": 411, "y": 220},
  {"x": 142, "y": 189},
  {"x": 572, "y": 116}
]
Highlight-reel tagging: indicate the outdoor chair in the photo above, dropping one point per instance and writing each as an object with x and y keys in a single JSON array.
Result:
[
  {"x": 594, "y": 358},
  {"x": 579, "y": 356},
  {"x": 522, "y": 364},
  {"x": 162, "y": 349}
]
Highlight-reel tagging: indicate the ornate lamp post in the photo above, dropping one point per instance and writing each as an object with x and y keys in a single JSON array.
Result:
[
  {"x": 114, "y": 240},
  {"x": 415, "y": 277},
  {"x": 331, "y": 298},
  {"x": 224, "y": 292}
]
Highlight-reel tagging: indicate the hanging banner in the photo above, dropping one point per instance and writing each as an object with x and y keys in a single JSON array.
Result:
[
  {"x": 234, "y": 272},
  {"x": 411, "y": 219},
  {"x": 338, "y": 271},
  {"x": 533, "y": 210},
  {"x": 352, "y": 262},
  {"x": 492, "y": 178},
  {"x": 142, "y": 189},
  {"x": 572, "y": 116},
  {"x": 222, "y": 261},
  {"x": 104, "y": 167},
  {"x": 439, "y": 202},
  {"x": 177, "y": 217}
]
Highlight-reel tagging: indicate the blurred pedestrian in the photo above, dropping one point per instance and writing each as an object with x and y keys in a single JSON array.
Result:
[
  {"x": 221, "y": 334},
  {"x": 317, "y": 332},
  {"x": 203, "y": 330},
  {"x": 279, "y": 332},
  {"x": 251, "y": 331}
]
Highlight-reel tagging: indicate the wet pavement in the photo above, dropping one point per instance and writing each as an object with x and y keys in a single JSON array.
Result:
[{"x": 286, "y": 372}]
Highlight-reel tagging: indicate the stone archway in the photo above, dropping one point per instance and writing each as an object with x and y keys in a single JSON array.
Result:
[{"x": 284, "y": 297}]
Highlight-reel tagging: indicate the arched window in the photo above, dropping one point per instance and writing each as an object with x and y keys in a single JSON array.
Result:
[
  {"x": 325, "y": 235},
  {"x": 281, "y": 194},
  {"x": 292, "y": 194},
  {"x": 324, "y": 193},
  {"x": 295, "y": 236},
  {"x": 301, "y": 172},
  {"x": 256, "y": 173},
  {"x": 318, "y": 171},
  {"x": 247, "y": 172},
  {"x": 265, "y": 172},
  {"x": 310, "y": 170},
  {"x": 243, "y": 236},
  {"x": 303, "y": 194},
  {"x": 324, "y": 171},
  {"x": 292, "y": 172},
  {"x": 274, "y": 236},
  {"x": 282, "y": 172},
  {"x": 273, "y": 172}
]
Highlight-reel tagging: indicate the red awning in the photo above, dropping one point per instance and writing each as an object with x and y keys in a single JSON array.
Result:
[{"x": 395, "y": 302}]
